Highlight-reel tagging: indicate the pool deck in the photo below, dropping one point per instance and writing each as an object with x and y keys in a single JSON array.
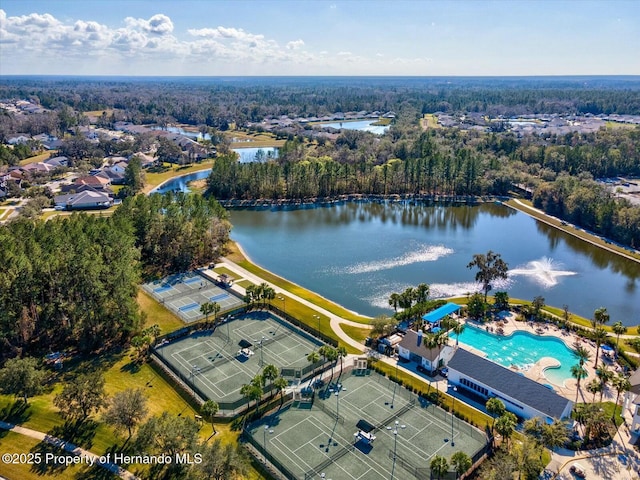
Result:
[{"x": 536, "y": 371}]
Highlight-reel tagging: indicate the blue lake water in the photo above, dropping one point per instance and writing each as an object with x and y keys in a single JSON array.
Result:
[
  {"x": 357, "y": 254},
  {"x": 181, "y": 184},
  {"x": 362, "y": 125},
  {"x": 256, "y": 154},
  {"x": 521, "y": 349}
]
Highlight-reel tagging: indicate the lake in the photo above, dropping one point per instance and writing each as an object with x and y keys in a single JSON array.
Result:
[
  {"x": 256, "y": 154},
  {"x": 181, "y": 184},
  {"x": 363, "y": 125},
  {"x": 357, "y": 254}
]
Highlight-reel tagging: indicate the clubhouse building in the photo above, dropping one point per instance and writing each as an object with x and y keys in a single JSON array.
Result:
[{"x": 522, "y": 396}]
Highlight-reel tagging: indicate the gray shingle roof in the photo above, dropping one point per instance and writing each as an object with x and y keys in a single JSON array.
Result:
[
  {"x": 503, "y": 380},
  {"x": 414, "y": 343}
]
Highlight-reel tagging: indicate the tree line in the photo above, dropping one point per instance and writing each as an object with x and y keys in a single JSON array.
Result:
[{"x": 73, "y": 281}]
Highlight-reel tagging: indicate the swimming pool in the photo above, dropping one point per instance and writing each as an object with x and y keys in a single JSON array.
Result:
[{"x": 521, "y": 349}]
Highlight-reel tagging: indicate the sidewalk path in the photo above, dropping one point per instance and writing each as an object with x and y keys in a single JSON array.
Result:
[
  {"x": 69, "y": 447},
  {"x": 619, "y": 460},
  {"x": 334, "y": 320}
]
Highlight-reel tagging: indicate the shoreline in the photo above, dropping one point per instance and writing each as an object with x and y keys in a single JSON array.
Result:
[{"x": 586, "y": 236}]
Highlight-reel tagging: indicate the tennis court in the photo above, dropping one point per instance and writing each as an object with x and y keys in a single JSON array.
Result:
[
  {"x": 184, "y": 293},
  {"x": 327, "y": 438},
  {"x": 216, "y": 363}
]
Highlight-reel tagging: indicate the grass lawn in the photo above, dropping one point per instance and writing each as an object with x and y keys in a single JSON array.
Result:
[
  {"x": 38, "y": 158},
  {"x": 609, "y": 125},
  {"x": 594, "y": 239},
  {"x": 245, "y": 283},
  {"x": 429, "y": 120},
  {"x": 237, "y": 257},
  {"x": 152, "y": 180},
  {"x": 105, "y": 212},
  {"x": 11, "y": 442},
  {"x": 240, "y": 139},
  {"x": 226, "y": 271},
  {"x": 2, "y": 212},
  {"x": 157, "y": 314},
  {"x": 357, "y": 333}
]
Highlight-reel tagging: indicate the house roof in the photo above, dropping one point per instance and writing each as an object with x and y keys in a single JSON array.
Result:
[
  {"x": 92, "y": 180},
  {"x": 634, "y": 380},
  {"x": 510, "y": 383},
  {"x": 413, "y": 342},
  {"x": 439, "y": 313},
  {"x": 87, "y": 196}
]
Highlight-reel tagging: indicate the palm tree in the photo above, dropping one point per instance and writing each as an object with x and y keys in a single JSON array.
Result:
[
  {"x": 342, "y": 353},
  {"x": 280, "y": 384},
  {"x": 267, "y": 292},
  {"x": 555, "y": 435},
  {"x": 313, "y": 358},
  {"x": 600, "y": 317},
  {"x": 206, "y": 309},
  {"x": 599, "y": 335},
  {"x": 566, "y": 315},
  {"x": 496, "y": 409},
  {"x": 431, "y": 341},
  {"x": 458, "y": 328},
  {"x": 581, "y": 353},
  {"x": 216, "y": 309},
  {"x": 209, "y": 410},
  {"x": 505, "y": 425},
  {"x": 578, "y": 372},
  {"x": 332, "y": 356},
  {"x": 604, "y": 375},
  {"x": 269, "y": 374},
  {"x": 595, "y": 386},
  {"x": 421, "y": 293},
  {"x": 619, "y": 329},
  {"x": 394, "y": 300},
  {"x": 439, "y": 466},
  {"x": 621, "y": 384},
  {"x": 461, "y": 463}
]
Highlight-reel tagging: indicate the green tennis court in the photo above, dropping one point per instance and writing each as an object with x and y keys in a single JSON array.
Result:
[
  {"x": 326, "y": 438},
  {"x": 216, "y": 363}
]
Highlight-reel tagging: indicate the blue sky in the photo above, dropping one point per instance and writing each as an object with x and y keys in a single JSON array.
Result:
[{"x": 298, "y": 37}]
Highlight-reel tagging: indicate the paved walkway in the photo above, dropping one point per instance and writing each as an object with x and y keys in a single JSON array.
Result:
[
  {"x": 70, "y": 448},
  {"x": 334, "y": 320},
  {"x": 618, "y": 461}
]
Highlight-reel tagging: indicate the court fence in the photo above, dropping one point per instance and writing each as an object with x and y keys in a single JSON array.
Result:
[{"x": 284, "y": 471}]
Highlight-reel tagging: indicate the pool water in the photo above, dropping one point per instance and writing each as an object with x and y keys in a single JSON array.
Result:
[{"x": 522, "y": 349}]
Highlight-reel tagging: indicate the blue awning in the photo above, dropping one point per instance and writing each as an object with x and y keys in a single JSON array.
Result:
[
  {"x": 439, "y": 313},
  {"x": 606, "y": 348}
]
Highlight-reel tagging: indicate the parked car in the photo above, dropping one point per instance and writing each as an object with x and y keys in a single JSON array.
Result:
[{"x": 578, "y": 470}]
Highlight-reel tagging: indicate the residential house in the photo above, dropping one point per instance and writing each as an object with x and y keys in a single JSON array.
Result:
[
  {"x": 88, "y": 199},
  {"x": 18, "y": 138},
  {"x": 113, "y": 175},
  {"x": 93, "y": 181},
  {"x": 522, "y": 396}
]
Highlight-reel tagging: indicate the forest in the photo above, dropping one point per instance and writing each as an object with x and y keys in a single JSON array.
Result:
[{"x": 72, "y": 282}]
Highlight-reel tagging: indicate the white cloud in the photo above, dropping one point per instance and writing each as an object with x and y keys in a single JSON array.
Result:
[
  {"x": 35, "y": 43},
  {"x": 295, "y": 44},
  {"x": 158, "y": 24}
]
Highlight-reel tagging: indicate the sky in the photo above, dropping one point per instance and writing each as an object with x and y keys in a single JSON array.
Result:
[{"x": 315, "y": 37}]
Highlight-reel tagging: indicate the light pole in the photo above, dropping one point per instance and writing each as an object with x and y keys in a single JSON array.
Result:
[
  {"x": 453, "y": 406},
  {"x": 395, "y": 444},
  {"x": 264, "y": 438},
  {"x": 318, "y": 317},
  {"x": 395, "y": 384},
  {"x": 228, "y": 320},
  {"x": 261, "y": 357}
]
